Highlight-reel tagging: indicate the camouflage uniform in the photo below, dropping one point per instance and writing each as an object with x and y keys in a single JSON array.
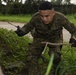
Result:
[{"x": 51, "y": 32}]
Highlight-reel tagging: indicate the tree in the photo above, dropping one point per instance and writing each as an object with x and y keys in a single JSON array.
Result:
[
  {"x": 53, "y": 1},
  {"x": 21, "y": 1},
  {"x": 67, "y": 2},
  {"x": 59, "y": 2},
  {"x": 0, "y": 2},
  {"x": 8, "y": 1},
  {"x": 31, "y": 1},
  {"x": 16, "y": 1}
]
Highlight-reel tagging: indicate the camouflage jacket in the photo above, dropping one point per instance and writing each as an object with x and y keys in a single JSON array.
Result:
[{"x": 51, "y": 31}]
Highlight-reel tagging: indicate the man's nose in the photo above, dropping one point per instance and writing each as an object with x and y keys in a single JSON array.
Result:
[{"x": 44, "y": 18}]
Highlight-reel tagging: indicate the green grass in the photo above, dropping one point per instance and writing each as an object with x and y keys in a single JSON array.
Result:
[
  {"x": 68, "y": 60},
  {"x": 12, "y": 52},
  {"x": 26, "y": 18},
  {"x": 72, "y": 18},
  {"x": 15, "y": 18}
]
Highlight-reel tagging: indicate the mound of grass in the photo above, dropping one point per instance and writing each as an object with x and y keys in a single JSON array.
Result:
[
  {"x": 68, "y": 62},
  {"x": 12, "y": 52}
]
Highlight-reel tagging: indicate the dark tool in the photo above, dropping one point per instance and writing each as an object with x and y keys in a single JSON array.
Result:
[{"x": 13, "y": 25}]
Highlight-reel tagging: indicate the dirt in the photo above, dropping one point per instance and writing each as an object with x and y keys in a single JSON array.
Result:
[{"x": 6, "y": 25}]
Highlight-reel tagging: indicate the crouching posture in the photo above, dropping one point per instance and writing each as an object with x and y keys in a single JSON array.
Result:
[{"x": 47, "y": 25}]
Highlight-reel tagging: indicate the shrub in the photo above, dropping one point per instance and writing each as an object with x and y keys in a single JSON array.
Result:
[
  {"x": 68, "y": 62},
  {"x": 12, "y": 52}
]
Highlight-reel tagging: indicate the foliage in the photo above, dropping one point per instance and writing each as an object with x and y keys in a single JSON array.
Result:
[
  {"x": 58, "y": 2},
  {"x": 68, "y": 63},
  {"x": 30, "y": 7},
  {"x": 72, "y": 18},
  {"x": 12, "y": 52}
]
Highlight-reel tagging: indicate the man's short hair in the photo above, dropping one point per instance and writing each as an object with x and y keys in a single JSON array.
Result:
[{"x": 45, "y": 6}]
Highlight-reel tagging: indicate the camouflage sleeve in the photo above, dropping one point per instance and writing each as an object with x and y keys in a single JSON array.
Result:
[
  {"x": 28, "y": 26},
  {"x": 69, "y": 26}
]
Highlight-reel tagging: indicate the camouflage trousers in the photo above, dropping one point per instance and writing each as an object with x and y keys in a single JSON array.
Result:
[{"x": 33, "y": 54}]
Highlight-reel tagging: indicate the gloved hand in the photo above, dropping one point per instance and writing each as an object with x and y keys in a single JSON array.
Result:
[
  {"x": 73, "y": 42},
  {"x": 18, "y": 28},
  {"x": 19, "y": 31}
]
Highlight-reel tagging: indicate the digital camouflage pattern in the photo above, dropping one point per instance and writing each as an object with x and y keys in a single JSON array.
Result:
[
  {"x": 51, "y": 30},
  {"x": 41, "y": 32}
]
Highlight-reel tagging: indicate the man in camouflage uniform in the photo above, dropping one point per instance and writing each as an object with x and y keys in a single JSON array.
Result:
[{"x": 47, "y": 25}]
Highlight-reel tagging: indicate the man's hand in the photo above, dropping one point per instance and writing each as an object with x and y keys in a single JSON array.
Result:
[
  {"x": 19, "y": 31},
  {"x": 18, "y": 28},
  {"x": 73, "y": 42}
]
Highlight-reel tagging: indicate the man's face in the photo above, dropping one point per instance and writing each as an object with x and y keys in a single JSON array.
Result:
[{"x": 47, "y": 15}]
